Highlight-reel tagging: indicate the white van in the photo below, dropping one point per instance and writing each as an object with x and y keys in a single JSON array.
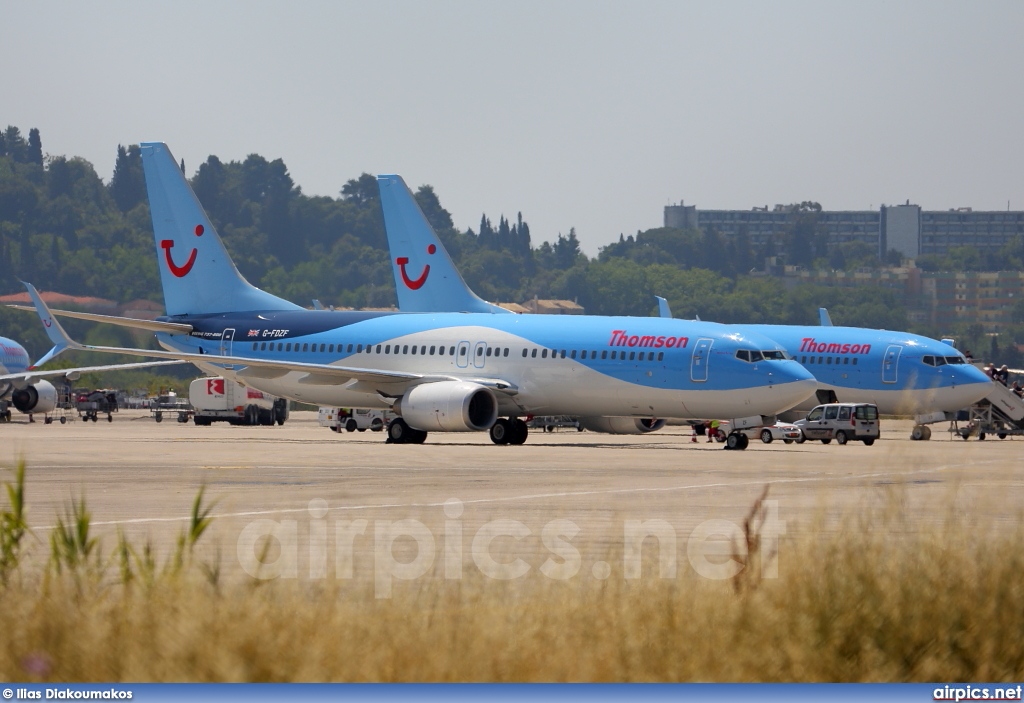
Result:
[{"x": 841, "y": 422}]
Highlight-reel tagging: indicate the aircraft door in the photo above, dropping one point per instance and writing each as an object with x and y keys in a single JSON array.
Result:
[
  {"x": 462, "y": 355},
  {"x": 479, "y": 354},
  {"x": 890, "y": 363},
  {"x": 699, "y": 362},
  {"x": 227, "y": 341}
]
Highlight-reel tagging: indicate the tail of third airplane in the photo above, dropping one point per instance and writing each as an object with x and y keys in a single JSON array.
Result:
[
  {"x": 426, "y": 280},
  {"x": 197, "y": 274}
]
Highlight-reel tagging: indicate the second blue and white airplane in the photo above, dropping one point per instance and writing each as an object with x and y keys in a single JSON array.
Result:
[
  {"x": 25, "y": 388},
  {"x": 448, "y": 371},
  {"x": 900, "y": 372}
]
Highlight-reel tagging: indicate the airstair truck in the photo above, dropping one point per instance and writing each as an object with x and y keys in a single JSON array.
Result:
[{"x": 220, "y": 399}]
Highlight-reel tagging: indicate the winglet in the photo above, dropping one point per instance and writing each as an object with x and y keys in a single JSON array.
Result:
[
  {"x": 663, "y": 308},
  {"x": 54, "y": 331},
  {"x": 824, "y": 318},
  {"x": 317, "y": 305}
]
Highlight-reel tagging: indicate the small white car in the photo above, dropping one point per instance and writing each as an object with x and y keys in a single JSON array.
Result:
[{"x": 785, "y": 431}]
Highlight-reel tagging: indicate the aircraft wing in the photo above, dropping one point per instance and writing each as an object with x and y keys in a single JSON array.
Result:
[
  {"x": 264, "y": 368},
  {"x": 150, "y": 325},
  {"x": 320, "y": 374},
  {"x": 74, "y": 373}
]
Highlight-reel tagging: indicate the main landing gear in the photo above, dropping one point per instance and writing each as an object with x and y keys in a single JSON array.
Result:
[
  {"x": 399, "y": 432},
  {"x": 736, "y": 440},
  {"x": 504, "y": 431},
  {"x": 509, "y": 431}
]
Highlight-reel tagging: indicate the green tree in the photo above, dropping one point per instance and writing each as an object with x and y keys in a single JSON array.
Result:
[
  {"x": 14, "y": 144},
  {"x": 128, "y": 184},
  {"x": 35, "y": 147},
  {"x": 567, "y": 250}
]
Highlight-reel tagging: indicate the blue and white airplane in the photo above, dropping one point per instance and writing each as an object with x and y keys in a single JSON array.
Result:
[
  {"x": 453, "y": 371},
  {"x": 900, "y": 372},
  {"x": 27, "y": 389}
]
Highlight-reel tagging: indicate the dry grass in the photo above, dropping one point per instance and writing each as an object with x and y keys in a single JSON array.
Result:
[{"x": 860, "y": 606}]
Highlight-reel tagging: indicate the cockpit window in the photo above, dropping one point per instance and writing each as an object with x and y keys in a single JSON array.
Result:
[
  {"x": 942, "y": 360},
  {"x": 754, "y": 355}
]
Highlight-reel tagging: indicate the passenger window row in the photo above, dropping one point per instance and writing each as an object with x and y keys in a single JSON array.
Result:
[
  {"x": 434, "y": 350},
  {"x": 845, "y": 360},
  {"x": 369, "y": 349},
  {"x": 583, "y": 354}
]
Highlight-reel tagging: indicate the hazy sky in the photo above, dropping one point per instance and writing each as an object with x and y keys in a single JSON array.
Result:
[{"x": 591, "y": 115}]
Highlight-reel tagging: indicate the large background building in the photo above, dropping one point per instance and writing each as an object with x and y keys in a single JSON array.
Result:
[
  {"x": 906, "y": 228},
  {"x": 938, "y": 298}
]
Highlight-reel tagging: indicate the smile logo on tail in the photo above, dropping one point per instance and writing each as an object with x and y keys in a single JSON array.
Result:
[
  {"x": 414, "y": 284},
  {"x": 180, "y": 271}
]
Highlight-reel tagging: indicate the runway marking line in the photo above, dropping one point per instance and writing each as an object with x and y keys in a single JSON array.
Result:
[{"x": 542, "y": 496}]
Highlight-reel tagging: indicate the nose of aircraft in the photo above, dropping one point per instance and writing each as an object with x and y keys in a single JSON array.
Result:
[
  {"x": 970, "y": 384},
  {"x": 791, "y": 383}
]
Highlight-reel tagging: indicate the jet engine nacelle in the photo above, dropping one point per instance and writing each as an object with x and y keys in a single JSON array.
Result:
[
  {"x": 621, "y": 425},
  {"x": 38, "y": 398},
  {"x": 449, "y": 406}
]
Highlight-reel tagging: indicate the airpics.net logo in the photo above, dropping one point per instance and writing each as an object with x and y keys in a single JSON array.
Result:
[{"x": 715, "y": 549}]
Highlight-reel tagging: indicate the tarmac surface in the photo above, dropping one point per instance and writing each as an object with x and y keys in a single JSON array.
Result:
[{"x": 304, "y": 484}]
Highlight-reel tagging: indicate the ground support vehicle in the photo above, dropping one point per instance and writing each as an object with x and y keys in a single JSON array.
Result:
[
  {"x": 352, "y": 419},
  {"x": 219, "y": 399},
  {"x": 990, "y": 416},
  {"x": 92, "y": 404},
  {"x": 65, "y": 409},
  {"x": 1001, "y": 413},
  {"x": 170, "y": 404},
  {"x": 551, "y": 423}
]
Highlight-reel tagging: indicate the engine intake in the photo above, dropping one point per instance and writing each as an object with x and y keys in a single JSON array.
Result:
[
  {"x": 621, "y": 425},
  {"x": 449, "y": 406},
  {"x": 40, "y": 398}
]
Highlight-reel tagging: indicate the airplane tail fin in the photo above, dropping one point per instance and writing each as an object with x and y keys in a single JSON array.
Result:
[
  {"x": 426, "y": 280},
  {"x": 54, "y": 330},
  {"x": 49, "y": 321},
  {"x": 197, "y": 275}
]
